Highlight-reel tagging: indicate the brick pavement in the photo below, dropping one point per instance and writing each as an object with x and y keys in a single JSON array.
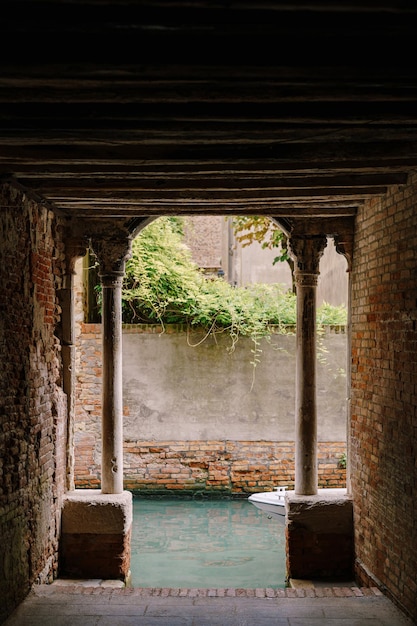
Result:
[{"x": 101, "y": 603}]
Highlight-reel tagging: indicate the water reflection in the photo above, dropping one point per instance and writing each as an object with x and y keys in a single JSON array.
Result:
[{"x": 205, "y": 543}]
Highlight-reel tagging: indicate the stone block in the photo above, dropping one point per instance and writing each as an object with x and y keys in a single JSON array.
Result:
[
  {"x": 319, "y": 535},
  {"x": 96, "y": 534}
]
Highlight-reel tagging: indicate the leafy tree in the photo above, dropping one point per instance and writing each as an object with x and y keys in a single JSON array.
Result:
[{"x": 250, "y": 228}]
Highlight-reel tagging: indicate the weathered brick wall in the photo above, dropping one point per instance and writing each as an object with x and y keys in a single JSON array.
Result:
[
  {"x": 203, "y": 234},
  {"x": 231, "y": 467},
  {"x": 384, "y": 393},
  {"x": 234, "y": 466},
  {"x": 32, "y": 405},
  {"x": 212, "y": 467}
]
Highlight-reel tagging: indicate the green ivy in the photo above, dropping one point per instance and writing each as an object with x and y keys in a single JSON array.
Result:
[{"x": 164, "y": 285}]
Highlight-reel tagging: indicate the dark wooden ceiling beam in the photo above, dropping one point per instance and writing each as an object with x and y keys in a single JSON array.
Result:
[
  {"x": 226, "y": 154},
  {"x": 79, "y": 81},
  {"x": 230, "y": 109},
  {"x": 31, "y": 92},
  {"x": 208, "y": 197},
  {"x": 163, "y": 170},
  {"x": 288, "y": 210},
  {"x": 219, "y": 182}
]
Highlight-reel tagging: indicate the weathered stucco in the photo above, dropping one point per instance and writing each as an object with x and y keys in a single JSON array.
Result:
[{"x": 177, "y": 386}]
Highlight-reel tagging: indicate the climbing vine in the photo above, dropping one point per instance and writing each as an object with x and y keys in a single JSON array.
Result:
[{"x": 164, "y": 285}]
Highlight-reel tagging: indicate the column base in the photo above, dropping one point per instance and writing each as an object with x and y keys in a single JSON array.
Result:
[
  {"x": 96, "y": 533},
  {"x": 319, "y": 535}
]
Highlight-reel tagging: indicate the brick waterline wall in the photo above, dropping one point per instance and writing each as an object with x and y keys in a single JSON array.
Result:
[{"x": 208, "y": 467}]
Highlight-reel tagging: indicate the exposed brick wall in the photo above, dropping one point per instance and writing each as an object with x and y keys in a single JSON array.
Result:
[
  {"x": 227, "y": 466},
  {"x": 384, "y": 393},
  {"x": 231, "y": 467},
  {"x": 32, "y": 404},
  {"x": 203, "y": 235}
]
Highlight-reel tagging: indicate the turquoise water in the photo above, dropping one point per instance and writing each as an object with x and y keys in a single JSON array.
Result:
[{"x": 205, "y": 543}]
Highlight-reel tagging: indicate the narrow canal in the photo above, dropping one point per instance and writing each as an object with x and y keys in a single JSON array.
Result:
[{"x": 207, "y": 544}]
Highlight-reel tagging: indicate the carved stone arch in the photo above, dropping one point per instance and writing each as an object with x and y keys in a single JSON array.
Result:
[
  {"x": 137, "y": 224},
  {"x": 343, "y": 242}
]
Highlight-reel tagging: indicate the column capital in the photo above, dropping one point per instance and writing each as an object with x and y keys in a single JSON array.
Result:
[
  {"x": 112, "y": 254},
  {"x": 306, "y": 252}
]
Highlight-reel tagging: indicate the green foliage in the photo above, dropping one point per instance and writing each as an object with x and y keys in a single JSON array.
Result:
[
  {"x": 328, "y": 314},
  {"x": 342, "y": 461},
  {"x": 250, "y": 228},
  {"x": 162, "y": 282},
  {"x": 164, "y": 285}
]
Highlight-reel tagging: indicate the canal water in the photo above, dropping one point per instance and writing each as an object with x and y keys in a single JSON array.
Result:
[{"x": 206, "y": 544}]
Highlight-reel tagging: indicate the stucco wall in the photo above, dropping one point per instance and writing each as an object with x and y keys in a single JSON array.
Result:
[{"x": 179, "y": 385}]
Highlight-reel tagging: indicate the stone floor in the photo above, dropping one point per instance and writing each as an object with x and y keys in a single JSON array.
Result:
[{"x": 108, "y": 603}]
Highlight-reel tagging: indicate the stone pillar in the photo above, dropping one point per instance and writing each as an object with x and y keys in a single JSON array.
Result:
[
  {"x": 344, "y": 246},
  {"x": 306, "y": 251},
  {"x": 112, "y": 255},
  {"x": 75, "y": 248},
  {"x": 97, "y": 524}
]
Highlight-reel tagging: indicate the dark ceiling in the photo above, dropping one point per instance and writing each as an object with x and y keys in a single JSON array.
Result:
[{"x": 129, "y": 108}]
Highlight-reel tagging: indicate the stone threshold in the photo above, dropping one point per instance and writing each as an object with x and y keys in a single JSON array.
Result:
[{"x": 116, "y": 587}]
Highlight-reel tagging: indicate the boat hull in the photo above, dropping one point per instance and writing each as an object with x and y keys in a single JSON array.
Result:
[{"x": 271, "y": 502}]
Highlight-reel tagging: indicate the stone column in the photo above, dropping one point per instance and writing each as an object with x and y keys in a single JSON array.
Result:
[
  {"x": 112, "y": 255},
  {"x": 306, "y": 250},
  {"x": 344, "y": 246},
  {"x": 75, "y": 248}
]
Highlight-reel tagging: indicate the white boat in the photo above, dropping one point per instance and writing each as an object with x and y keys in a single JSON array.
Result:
[{"x": 271, "y": 502}]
